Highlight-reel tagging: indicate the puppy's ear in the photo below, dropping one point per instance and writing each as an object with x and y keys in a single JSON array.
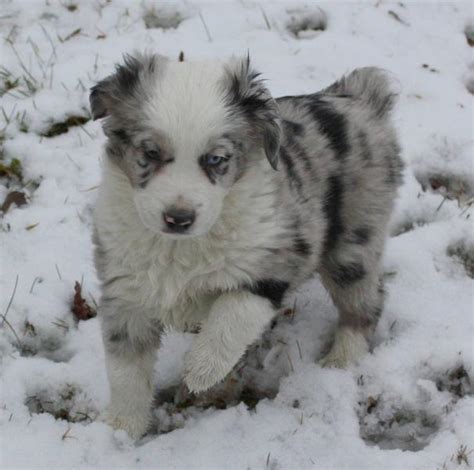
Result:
[
  {"x": 247, "y": 95},
  {"x": 126, "y": 82},
  {"x": 97, "y": 100}
]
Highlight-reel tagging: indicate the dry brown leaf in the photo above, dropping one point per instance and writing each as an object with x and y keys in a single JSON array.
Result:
[
  {"x": 14, "y": 197},
  {"x": 80, "y": 308}
]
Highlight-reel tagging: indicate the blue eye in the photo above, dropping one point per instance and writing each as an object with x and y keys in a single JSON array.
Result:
[{"x": 214, "y": 160}]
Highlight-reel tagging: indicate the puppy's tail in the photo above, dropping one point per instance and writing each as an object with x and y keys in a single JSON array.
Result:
[{"x": 371, "y": 85}]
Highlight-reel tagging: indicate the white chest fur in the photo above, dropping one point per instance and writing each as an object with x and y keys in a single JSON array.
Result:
[{"x": 179, "y": 279}]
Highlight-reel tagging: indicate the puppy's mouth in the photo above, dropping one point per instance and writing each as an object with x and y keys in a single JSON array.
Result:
[{"x": 168, "y": 233}]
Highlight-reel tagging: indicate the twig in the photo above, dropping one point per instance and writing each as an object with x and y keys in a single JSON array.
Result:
[
  {"x": 96, "y": 305},
  {"x": 57, "y": 270},
  {"x": 4, "y": 316},
  {"x": 441, "y": 204},
  {"x": 35, "y": 280},
  {"x": 22, "y": 65},
  {"x": 69, "y": 36},
  {"x": 468, "y": 206},
  {"x": 66, "y": 435},
  {"x": 39, "y": 59},
  {"x": 53, "y": 47},
  {"x": 205, "y": 27},
  {"x": 265, "y": 17},
  {"x": 397, "y": 18},
  {"x": 85, "y": 132},
  {"x": 61, "y": 324},
  {"x": 75, "y": 164},
  {"x": 6, "y": 322},
  {"x": 290, "y": 362},
  {"x": 299, "y": 349},
  {"x": 86, "y": 416}
]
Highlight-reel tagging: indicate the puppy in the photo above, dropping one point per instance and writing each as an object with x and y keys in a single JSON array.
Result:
[{"x": 194, "y": 227}]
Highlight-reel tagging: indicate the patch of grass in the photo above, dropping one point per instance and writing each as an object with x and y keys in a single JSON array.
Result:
[
  {"x": 391, "y": 427},
  {"x": 61, "y": 404},
  {"x": 455, "y": 381},
  {"x": 12, "y": 170},
  {"x": 62, "y": 127},
  {"x": 464, "y": 255},
  {"x": 462, "y": 455},
  {"x": 24, "y": 85},
  {"x": 8, "y": 81}
]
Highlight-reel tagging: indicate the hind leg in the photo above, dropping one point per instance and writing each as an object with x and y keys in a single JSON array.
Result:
[{"x": 352, "y": 276}]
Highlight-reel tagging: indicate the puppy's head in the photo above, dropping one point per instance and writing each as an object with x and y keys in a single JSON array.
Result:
[{"x": 184, "y": 133}]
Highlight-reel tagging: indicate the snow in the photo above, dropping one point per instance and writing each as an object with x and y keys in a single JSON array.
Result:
[{"x": 409, "y": 404}]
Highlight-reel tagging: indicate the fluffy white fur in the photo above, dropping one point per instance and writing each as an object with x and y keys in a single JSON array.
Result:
[
  {"x": 173, "y": 278},
  {"x": 131, "y": 392},
  {"x": 235, "y": 320},
  {"x": 257, "y": 235},
  {"x": 192, "y": 87},
  {"x": 349, "y": 346}
]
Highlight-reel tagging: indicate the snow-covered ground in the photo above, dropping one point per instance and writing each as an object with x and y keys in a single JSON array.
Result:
[{"x": 407, "y": 405}]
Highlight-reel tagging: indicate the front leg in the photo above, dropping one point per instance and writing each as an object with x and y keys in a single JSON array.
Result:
[
  {"x": 130, "y": 339},
  {"x": 235, "y": 321}
]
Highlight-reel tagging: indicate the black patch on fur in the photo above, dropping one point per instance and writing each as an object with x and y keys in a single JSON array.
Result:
[
  {"x": 118, "y": 336},
  {"x": 332, "y": 208},
  {"x": 125, "y": 81},
  {"x": 347, "y": 274},
  {"x": 113, "y": 151},
  {"x": 248, "y": 102},
  {"x": 361, "y": 235},
  {"x": 294, "y": 147},
  {"x": 121, "y": 135},
  {"x": 332, "y": 124},
  {"x": 246, "y": 95},
  {"x": 301, "y": 246},
  {"x": 376, "y": 313},
  {"x": 395, "y": 166},
  {"x": 272, "y": 289},
  {"x": 295, "y": 180},
  {"x": 293, "y": 128},
  {"x": 364, "y": 146},
  {"x": 128, "y": 74},
  {"x": 394, "y": 173}
]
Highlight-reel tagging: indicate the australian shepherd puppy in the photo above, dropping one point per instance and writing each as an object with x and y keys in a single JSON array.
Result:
[{"x": 218, "y": 201}]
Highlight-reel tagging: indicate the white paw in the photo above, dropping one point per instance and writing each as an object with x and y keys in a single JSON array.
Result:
[
  {"x": 134, "y": 424},
  {"x": 200, "y": 376},
  {"x": 349, "y": 347},
  {"x": 205, "y": 367}
]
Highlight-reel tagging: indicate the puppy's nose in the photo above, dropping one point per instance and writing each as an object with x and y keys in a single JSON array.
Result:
[{"x": 178, "y": 220}]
